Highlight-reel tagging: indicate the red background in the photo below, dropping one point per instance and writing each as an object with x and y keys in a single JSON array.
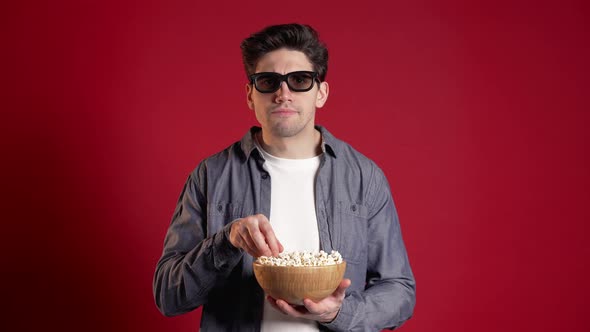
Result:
[{"x": 476, "y": 111}]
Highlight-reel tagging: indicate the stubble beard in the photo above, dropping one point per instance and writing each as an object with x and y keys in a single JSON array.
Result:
[
  {"x": 281, "y": 130},
  {"x": 290, "y": 128}
]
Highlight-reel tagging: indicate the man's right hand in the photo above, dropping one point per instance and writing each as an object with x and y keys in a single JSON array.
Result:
[{"x": 254, "y": 235}]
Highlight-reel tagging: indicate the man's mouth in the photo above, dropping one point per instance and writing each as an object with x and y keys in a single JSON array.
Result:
[{"x": 284, "y": 111}]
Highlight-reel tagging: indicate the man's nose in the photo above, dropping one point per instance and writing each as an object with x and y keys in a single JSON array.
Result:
[{"x": 283, "y": 93}]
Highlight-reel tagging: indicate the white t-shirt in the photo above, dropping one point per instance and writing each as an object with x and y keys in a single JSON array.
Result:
[{"x": 293, "y": 219}]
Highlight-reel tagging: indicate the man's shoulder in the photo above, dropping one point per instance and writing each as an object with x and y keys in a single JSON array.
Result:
[
  {"x": 344, "y": 151},
  {"x": 356, "y": 166},
  {"x": 239, "y": 151},
  {"x": 232, "y": 153}
]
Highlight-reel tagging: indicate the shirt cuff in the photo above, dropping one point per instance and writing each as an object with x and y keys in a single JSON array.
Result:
[
  {"x": 225, "y": 254},
  {"x": 343, "y": 318}
]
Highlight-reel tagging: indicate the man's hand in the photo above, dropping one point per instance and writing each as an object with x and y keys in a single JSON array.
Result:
[
  {"x": 323, "y": 311},
  {"x": 254, "y": 235}
]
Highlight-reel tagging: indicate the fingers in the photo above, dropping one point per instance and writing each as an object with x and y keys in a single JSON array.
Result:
[
  {"x": 271, "y": 240},
  {"x": 287, "y": 309},
  {"x": 320, "y": 312},
  {"x": 327, "y": 309},
  {"x": 255, "y": 235},
  {"x": 240, "y": 235},
  {"x": 257, "y": 239},
  {"x": 338, "y": 296},
  {"x": 247, "y": 244},
  {"x": 274, "y": 304}
]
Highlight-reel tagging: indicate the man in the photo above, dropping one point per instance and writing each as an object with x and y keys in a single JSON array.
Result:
[{"x": 289, "y": 185}]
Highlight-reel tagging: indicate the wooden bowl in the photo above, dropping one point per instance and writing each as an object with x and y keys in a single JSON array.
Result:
[{"x": 294, "y": 283}]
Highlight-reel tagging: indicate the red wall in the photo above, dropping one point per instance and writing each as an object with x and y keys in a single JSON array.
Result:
[{"x": 476, "y": 112}]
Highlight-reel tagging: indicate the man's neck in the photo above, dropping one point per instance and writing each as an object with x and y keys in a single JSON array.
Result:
[{"x": 296, "y": 147}]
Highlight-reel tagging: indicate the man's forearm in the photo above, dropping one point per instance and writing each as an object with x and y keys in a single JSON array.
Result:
[
  {"x": 385, "y": 305},
  {"x": 183, "y": 281}
]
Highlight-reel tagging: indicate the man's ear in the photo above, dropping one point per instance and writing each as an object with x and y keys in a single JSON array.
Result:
[
  {"x": 249, "y": 91},
  {"x": 322, "y": 96}
]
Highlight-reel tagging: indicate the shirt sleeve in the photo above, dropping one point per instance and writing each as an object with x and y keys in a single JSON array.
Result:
[
  {"x": 192, "y": 264},
  {"x": 388, "y": 298}
]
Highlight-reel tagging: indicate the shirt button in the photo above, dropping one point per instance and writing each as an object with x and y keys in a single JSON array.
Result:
[
  {"x": 353, "y": 208},
  {"x": 219, "y": 207},
  {"x": 265, "y": 176}
]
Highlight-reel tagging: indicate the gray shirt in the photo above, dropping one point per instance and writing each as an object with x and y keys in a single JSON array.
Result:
[{"x": 356, "y": 216}]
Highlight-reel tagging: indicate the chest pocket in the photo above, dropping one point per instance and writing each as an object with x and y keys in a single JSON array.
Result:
[
  {"x": 350, "y": 224},
  {"x": 221, "y": 214}
]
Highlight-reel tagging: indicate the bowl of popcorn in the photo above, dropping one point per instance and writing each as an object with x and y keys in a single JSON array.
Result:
[{"x": 294, "y": 276}]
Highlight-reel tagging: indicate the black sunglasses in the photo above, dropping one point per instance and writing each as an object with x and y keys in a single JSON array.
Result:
[{"x": 297, "y": 81}]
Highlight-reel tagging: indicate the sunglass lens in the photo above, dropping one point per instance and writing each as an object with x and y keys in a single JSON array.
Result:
[
  {"x": 268, "y": 82},
  {"x": 300, "y": 81}
]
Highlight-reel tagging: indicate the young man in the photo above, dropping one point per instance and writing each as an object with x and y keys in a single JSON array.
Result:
[{"x": 289, "y": 185}]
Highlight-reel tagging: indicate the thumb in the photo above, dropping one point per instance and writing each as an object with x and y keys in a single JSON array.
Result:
[{"x": 344, "y": 284}]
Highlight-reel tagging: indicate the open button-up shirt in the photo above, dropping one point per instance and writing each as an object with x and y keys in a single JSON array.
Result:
[{"x": 356, "y": 215}]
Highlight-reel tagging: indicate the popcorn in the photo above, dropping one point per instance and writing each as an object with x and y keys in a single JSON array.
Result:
[{"x": 305, "y": 258}]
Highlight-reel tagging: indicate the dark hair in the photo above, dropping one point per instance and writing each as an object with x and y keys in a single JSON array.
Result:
[{"x": 297, "y": 37}]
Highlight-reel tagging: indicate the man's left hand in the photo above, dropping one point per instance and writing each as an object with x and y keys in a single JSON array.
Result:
[{"x": 323, "y": 311}]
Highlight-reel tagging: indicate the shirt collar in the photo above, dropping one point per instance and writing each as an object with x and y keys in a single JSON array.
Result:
[{"x": 328, "y": 142}]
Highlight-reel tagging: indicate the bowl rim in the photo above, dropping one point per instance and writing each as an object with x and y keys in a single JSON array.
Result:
[{"x": 308, "y": 266}]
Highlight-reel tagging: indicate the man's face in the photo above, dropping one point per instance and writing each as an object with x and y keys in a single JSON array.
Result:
[{"x": 286, "y": 113}]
